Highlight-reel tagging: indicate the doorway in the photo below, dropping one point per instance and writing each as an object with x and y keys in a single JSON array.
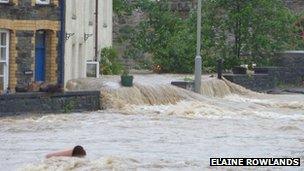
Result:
[{"x": 40, "y": 56}]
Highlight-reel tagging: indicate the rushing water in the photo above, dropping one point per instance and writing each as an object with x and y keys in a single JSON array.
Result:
[{"x": 155, "y": 126}]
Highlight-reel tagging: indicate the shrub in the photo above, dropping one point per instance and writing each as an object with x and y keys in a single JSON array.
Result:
[{"x": 109, "y": 62}]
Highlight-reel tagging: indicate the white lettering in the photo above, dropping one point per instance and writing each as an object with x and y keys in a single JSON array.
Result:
[
  {"x": 255, "y": 161},
  {"x": 289, "y": 162},
  {"x": 264, "y": 162},
  {"x": 296, "y": 162},
  {"x": 214, "y": 162},
  {"x": 249, "y": 162}
]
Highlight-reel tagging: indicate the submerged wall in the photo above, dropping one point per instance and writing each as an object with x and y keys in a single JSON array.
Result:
[
  {"x": 255, "y": 82},
  {"x": 292, "y": 63},
  {"x": 23, "y": 103}
]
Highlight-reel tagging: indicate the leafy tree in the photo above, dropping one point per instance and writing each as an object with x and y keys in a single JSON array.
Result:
[
  {"x": 255, "y": 29},
  {"x": 121, "y": 7},
  {"x": 240, "y": 31},
  {"x": 167, "y": 36}
]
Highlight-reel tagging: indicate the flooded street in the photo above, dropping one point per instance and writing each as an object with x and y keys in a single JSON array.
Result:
[{"x": 165, "y": 128}]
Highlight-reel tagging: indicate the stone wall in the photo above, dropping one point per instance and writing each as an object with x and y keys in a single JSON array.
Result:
[
  {"x": 188, "y": 85},
  {"x": 24, "y": 59},
  {"x": 255, "y": 82},
  {"x": 285, "y": 75},
  {"x": 289, "y": 69},
  {"x": 26, "y": 10},
  {"x": 292, "y": 67},
  {"x": 24, "y": 103},
  {"x": 295, "y": 5}
]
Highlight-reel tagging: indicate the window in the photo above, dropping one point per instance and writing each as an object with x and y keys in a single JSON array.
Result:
[
  {"x": 105, "y": 13},
  {"x": 73, "y": 60},
  {"x": 73, "y": 9},
  {"x": 80, "y": 62},
  {"x": 43, "y": 2},
  {"x": 91, "y": 12},
  {"x": 4, "y": 58},
  {"x": 92, "y": 69},
  {"x": 4, "y": 1}
]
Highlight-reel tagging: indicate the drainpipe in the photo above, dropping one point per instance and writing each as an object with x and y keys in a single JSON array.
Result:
[
  {"x": 62, "y": 42},
  {"x": 96, "y": 30}
]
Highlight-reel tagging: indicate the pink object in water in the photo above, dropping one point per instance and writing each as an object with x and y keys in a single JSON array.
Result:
[{"x": 77, "y": 151}]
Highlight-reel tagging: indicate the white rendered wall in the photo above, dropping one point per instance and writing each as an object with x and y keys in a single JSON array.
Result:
[
  {"x": 80, "y": 20},
  {"x": 105, "y": 23}
]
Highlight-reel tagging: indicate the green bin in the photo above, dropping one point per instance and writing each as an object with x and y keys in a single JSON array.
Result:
[{"x": 127, "y": 80}]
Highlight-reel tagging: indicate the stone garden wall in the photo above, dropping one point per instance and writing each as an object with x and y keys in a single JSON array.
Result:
[
  {"x": 295, "y": 5},
  {"x": 291, "y": 67},
  {"x": 288, "y": 70},
  {"x": 23, "y": 103},
  {"x": 255, "y": 82}
]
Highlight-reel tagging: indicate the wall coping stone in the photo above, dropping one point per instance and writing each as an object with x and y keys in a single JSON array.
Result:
[{"x": 244, "y": 75}]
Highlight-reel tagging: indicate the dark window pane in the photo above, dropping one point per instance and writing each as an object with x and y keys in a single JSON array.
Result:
[
  {"x": 91, "y": 70},
  {"x": 1, "y": 68},
  {"x": 1, "y": 83},
  {"x": 3, "y": 53},
  {"x": 3, "y": 39}
]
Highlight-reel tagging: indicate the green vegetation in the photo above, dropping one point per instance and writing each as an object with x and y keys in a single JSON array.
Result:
[
  {"x": 258, "y": 29},
  {"x": 121, "y": 7},
  {"x": 68, "y": 106},
  {"x": 110, "y": 63},
  {"x": 238, "y": 31}
]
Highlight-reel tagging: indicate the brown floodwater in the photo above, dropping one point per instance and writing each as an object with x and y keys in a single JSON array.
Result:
[{"x": 155, "y": 126}]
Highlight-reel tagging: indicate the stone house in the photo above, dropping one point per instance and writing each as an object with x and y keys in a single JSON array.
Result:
[
  {"x": 30, "y": 42},
  {"x": 51, "y": 41},
  {"x": 81, "y": 23}
]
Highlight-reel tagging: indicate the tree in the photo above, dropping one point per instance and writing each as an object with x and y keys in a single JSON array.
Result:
[
  {"x": 240, "y": 31},
  {"x": 258, "y": 28},
  {"x": 167, "y": 36}
]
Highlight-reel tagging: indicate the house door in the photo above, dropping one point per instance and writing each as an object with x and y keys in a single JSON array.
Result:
[
  {"x": 40, "y": 56},
  {"x": 4, "y": 59}
]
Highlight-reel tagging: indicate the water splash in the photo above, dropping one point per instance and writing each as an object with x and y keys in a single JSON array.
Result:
[
  {"x": 81, "y": 164},
  {"x": 154, "y": 126},
  {"x": 221, "y": 88},
  {"x": 141, "y": 94},
  {"x": 144, "y": 92},
  {"x": 105, "y": 163}
]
